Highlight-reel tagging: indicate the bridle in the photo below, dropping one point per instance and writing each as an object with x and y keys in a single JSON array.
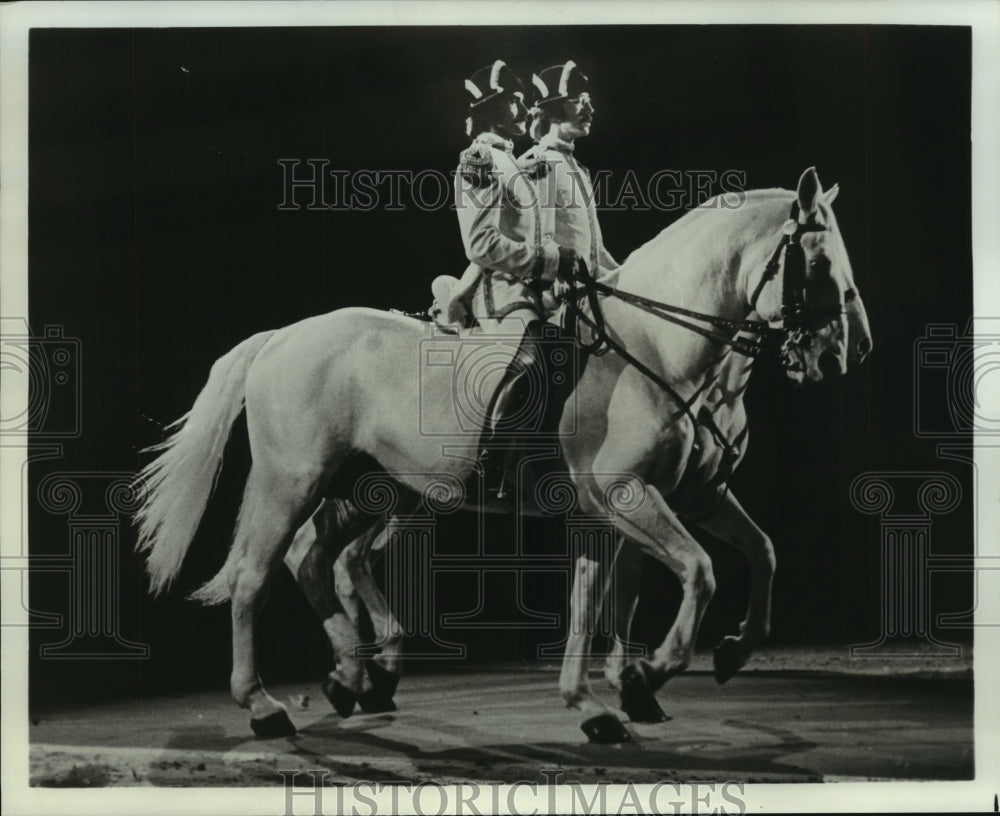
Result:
[{"x": 799, "y": 322}]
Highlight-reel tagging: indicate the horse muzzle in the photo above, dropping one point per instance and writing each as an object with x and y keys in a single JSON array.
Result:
[{"x": 815, "y": 354}]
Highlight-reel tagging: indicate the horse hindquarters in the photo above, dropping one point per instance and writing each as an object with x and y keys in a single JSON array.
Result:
[{"x": 294, "y": 376}]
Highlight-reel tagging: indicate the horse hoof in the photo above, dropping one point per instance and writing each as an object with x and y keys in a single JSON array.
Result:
[
  {"x": 644, "y": 710},
  {"x": 605, "y": 729},
  {"x": 384, "y": 682},
  {"x": 728, "y": 659},
  {"x": 273, "y": 726},
  {"x": 341, "y": 697},
  {"x": 379, "y": 699},
  {"x": 372, "y": 703},
  {"x": 637, "y": 700}
]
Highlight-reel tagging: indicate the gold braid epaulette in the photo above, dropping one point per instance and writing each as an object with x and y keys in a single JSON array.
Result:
[{"x": 476, "y": 165}]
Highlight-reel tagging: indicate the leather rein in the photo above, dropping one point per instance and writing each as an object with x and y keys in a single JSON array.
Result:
[{"x": 797, "y": 323}]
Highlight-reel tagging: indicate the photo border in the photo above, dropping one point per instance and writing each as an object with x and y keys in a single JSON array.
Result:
[{"x": 15, "y": 22}]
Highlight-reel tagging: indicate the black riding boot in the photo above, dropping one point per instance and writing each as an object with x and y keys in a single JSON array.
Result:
[{"x": 539, "y": 378}]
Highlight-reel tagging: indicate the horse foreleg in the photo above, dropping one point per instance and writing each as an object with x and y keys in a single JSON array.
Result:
[
  {"x": 586, "y": 595},
  {"x": 647, "y": 521},
  {"x": 731, "y": 523},
  {"x": 637, "y": 700},
  {"x": 626, "y": 575},
  {"x": 353, "y": 575}
]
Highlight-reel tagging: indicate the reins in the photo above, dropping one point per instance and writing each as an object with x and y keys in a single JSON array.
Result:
[
  {"x": 795, "y": 320},
  {"x": 730, "y": 451},
  {"x": 744, "y": 346},
  {"x": 794, "y": 315}
]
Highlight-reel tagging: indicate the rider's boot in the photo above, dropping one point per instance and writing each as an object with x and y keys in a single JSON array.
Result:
[
  {"x": 509, "y": 413},
  {"x": 529, "y": 403}
]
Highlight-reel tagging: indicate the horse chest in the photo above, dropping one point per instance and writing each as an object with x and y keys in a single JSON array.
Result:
[{"x": 708, "y": 456}]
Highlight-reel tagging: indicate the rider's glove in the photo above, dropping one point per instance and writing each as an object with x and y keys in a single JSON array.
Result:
[{"x": 569, "y": 264}]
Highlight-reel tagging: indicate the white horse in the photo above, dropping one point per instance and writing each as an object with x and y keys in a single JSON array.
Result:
[{"x": 324, "y": 391}]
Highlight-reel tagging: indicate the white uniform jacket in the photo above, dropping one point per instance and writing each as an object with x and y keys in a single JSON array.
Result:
[
  {"x": 567, "y": 205},
  {"x": 498, "y": 215}
]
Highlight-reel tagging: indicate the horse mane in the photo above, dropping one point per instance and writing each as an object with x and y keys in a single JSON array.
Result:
[
  {"x": 710, "y": 205},
  {"x": 752, "y": 197}
]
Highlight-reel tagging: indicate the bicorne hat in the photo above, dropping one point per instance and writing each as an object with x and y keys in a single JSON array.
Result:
[
  {"x": 563, "y": 81},
  {"x": 492, "y": 81}
]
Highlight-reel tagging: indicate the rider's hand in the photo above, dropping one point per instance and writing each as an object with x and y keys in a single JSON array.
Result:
[
  {"x": 569, "y": 263},
  {"x": 560, "y": 289}
]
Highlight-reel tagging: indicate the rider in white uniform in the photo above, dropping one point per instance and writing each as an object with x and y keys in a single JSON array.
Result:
[
  {"x": 562, "y": 113},
  {"x": 513, "y": 263}
]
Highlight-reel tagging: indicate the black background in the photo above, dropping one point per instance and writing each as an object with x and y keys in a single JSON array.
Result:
[{"x": 156, "y": 239}]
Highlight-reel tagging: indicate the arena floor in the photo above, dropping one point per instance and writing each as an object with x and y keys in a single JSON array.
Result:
[{"x": 834, "y": 720}]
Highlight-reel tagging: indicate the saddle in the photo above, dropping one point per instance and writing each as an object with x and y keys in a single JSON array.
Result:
[
  {"x": 531, "y": 450},
  {"x": 449, "y": 309}
]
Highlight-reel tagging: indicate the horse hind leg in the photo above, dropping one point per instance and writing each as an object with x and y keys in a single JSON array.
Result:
[
  {"x": 272, "y": 510},
  {"x": 354, "y": 580},
  {"x": 311, "y": 558},
  {"x": 731, "y": 523}
]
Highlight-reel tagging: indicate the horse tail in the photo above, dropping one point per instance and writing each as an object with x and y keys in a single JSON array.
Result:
[
  {"x": 180, "y": 481},
  {"x": 217, "y": 589}
]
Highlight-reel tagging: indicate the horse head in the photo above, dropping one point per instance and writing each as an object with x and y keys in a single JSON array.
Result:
[{"x": 822, "y": 313}]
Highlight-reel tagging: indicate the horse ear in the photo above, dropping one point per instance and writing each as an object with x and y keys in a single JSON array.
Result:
[
  {"x": 831, "y": 194},
  {"x": 809, "y": 190}
]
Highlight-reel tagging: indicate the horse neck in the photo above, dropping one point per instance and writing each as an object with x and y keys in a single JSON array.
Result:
[{"x": 707, "y": 262}]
